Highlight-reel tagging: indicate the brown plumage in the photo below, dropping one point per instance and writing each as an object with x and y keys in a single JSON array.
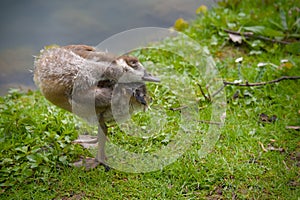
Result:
[{"x": 87, "y": 82}]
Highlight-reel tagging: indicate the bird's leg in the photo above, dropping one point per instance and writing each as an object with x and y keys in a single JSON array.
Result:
[
  {"x": 102, "y": 131},
  {"x": 89, "y": 163}
]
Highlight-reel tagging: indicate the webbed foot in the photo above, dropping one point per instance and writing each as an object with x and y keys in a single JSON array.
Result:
[{"x": 90, "y": 163}]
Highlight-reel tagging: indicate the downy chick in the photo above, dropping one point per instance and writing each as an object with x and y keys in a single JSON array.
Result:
[{"x": 74, "y": 77}]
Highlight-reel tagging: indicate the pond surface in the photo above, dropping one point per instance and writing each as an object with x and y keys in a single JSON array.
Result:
[{"x": 28, "y": 26}]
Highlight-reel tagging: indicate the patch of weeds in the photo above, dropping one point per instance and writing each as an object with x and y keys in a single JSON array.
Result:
[{"x": 35, "y": 138}]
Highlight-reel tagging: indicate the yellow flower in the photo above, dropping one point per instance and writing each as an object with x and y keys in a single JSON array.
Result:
[
  {"x": 201, "y": 9},
  {"x": 286, "y": 65},
  {"x": 180, "y": 24}
]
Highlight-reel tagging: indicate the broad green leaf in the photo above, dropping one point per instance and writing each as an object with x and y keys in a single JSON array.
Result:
[
  {"x": 265, "y": 31},
  {"x": 255, "y": 29},
  {"x": 34, "y": 165},
  {"x": 31, "y": 158},
  {"x": 276, "y": 24},
  {"x": 6, "y": 184},
  {"x": 283, "y": 19},
  {"x": 23, "y": 149},
  {"x": 7, "y": 161},
  {"x": 63, "y": 159}
]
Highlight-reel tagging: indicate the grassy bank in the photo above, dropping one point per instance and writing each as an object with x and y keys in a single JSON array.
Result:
[{"x": 256, "y": 156}]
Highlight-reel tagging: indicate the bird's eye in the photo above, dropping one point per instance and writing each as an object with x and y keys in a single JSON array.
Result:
[{"x": 133, "y": 64}]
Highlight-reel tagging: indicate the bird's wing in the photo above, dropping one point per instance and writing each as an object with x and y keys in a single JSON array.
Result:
[
  {"x": 94, "y": 96},
  {"x": 103, "y": 60},
  {"x": 80, "y": 47},
  {"x": 91, "y": 53}
]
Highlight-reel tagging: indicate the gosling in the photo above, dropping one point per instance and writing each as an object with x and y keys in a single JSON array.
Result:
[{"x": 75, "y": 77}]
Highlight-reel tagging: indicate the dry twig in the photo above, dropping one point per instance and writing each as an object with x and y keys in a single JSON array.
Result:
[
  {"x": 208, "y": 98},
  {"x": 297, "y": 128},
  {"x": 262, "y": 83},
  {"x": 262, "y": 146},
  {"x": 211, "y": 122},
  {"x": 247, "y": 84},
  {"x": 251, "y": 35},
  {"x": 178, "y": 108}
]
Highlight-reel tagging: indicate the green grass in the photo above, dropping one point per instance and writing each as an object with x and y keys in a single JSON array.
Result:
[{"x": 251, "y": 160}]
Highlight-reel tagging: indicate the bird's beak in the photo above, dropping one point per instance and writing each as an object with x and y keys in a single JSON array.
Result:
[{"x": 150, "y": 78}]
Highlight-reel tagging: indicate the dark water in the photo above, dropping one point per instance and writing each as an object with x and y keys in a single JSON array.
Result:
[{"x": 28, "y": 26}]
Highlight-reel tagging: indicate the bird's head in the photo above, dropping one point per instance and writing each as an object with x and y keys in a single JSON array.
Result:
[{"x": 133, "y": 70}]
